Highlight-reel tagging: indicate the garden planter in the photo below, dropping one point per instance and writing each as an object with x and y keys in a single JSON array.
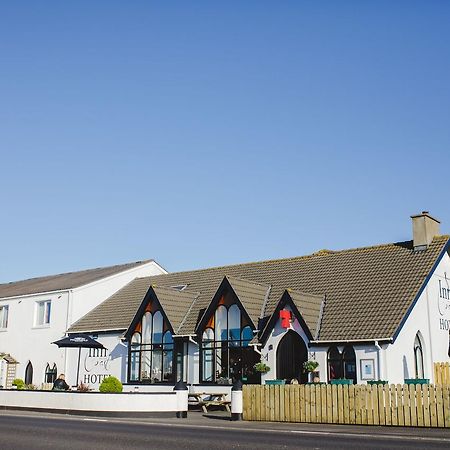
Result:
[
  {"x": 417, "y": 381},
  {"x": 343, "y": 381}
]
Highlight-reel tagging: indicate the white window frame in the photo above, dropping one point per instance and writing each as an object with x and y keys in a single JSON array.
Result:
[
  {"x": 4, "y": 315},
  {"x": 46, "y": 317}
]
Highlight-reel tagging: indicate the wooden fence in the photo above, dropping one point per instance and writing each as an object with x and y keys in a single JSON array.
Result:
[
  {"x": 442, "y": 374},
  {"x": 398, "y": 405}
]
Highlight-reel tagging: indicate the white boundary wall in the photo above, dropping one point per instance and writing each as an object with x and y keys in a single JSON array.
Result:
[{"x": 90, "y": 401}]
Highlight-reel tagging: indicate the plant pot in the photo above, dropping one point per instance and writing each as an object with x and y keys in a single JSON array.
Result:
[
  {"x": 375, "y": 382},
  {"x": 417, "y": 381},
  {"x": 275, "y": 382},
  {"x": 343, "y": 381}
]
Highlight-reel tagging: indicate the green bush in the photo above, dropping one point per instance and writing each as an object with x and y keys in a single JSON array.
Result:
[
  {"x": 111, "y": 384},
  {"x": 19, "y": 383}
]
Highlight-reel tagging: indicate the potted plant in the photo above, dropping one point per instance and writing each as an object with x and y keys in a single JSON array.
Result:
[
  {"x": 310, "y": 368},
  {"x": 261, "y": 367}
]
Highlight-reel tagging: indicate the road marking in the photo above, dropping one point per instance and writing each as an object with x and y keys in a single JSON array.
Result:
[
  {"x": 245, "y": 427},
  {"x": 379, "y": 436},
  {"x": 96, "y": 420}
]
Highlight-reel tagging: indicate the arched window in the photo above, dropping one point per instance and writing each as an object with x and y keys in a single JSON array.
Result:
[
  {"x": 221, "y": 323},
  {"x": 208, "y": 354},
  {"x": 29, "y": 373},
  {"x": 349, "y": 363},
  {"x": 246, "y": 336},
  {"x": 135, "y": 357},
  {"x": 50, "y": 373},
  {"x": 147, "y": 328},
  {"x": 152, "y": 353},
  {"x": 334, "y": 363},
  {"x": 225, "y": 352},
  {"x": 418, "y": 357},
  {"x": 234, "y": 325}
]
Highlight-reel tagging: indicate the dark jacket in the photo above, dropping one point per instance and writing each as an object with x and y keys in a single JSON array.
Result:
[{"x": 60, "y": 385}]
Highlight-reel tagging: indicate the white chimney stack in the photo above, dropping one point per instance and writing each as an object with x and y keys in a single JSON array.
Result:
[{"x": 425, "y": 228}]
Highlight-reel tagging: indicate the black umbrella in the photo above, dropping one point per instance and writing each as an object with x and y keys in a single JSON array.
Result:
[{"x": 78, "y": 340}]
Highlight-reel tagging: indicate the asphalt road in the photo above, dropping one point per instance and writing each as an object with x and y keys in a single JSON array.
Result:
[{"x": 34, "y": 431}]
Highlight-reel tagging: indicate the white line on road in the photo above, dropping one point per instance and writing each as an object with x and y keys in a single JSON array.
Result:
[{"x": 96, "y": 420}]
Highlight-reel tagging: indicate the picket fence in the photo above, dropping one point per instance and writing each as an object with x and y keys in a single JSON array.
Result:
[
  {"x": 442, "y": 373},
  {"x": 397, "y": 405}
]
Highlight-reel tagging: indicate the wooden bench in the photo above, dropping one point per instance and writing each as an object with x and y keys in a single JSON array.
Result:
[{"x": 207, "y": 399}]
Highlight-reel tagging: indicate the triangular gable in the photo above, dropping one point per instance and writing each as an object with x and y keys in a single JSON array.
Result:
[
  {"x": 286, "y": 300},
  {"x": 223, "y": 287},
  {"x": 150, "y": 297},
  {"x": 173, "y": 303}
]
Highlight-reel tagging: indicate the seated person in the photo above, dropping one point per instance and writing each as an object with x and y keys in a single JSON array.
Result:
[{"x": 60, "y": 384}]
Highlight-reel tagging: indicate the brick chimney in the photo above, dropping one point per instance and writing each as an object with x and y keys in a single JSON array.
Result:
[{"x": 425, "y": 228}]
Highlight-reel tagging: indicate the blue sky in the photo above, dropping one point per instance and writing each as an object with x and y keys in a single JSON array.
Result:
[{"x": 208, "y": 133}]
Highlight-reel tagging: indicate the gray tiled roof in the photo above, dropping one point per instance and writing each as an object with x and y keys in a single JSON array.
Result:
[
  {"x": 175, "y": 303},
  {"x": 368, "y": 290},
  {"x": 310, "y": 307},
  {"x": 62, "y": 281},
  {"x": 252, "y": 296}
]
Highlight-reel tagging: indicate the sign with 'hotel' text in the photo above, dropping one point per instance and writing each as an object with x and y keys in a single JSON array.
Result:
[{"x": 444, "y": 304}]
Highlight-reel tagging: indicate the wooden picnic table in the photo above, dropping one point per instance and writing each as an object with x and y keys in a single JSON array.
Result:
[{"x": 206, "y": 399}]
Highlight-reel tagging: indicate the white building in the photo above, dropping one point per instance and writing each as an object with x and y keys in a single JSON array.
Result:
[
  {"x": 364, "y": 314},
  {"x": 38, "y": 311}
]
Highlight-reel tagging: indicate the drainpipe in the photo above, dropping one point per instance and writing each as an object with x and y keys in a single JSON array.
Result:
[{"x": 379, "y": 349}]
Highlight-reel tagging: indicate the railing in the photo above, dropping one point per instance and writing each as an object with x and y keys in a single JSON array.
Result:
[
  {"x": 442, "y": 374},
  {"x": 397, "y": 405}
]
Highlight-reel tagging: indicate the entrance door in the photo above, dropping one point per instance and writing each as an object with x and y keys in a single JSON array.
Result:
[{"x": 291, "y": 354}]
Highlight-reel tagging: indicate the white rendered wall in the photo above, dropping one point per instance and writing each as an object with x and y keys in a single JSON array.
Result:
[
  {"x": 87, "y": 297},
  {"x": 27, "y": 342},
  {"x": 269, "y": 351},
  {"x": 91, "y": 401},
  {"x": 430, "y": 316}
]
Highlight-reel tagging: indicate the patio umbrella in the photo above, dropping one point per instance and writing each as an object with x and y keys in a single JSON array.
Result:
[{"x": 79, "y": 341}]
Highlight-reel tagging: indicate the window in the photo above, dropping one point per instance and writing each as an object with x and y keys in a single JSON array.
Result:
[
  {"x": 334, "y": 364},
  {"x": 342, "y": 365},
  {"x": 43, "y": 310},
  {"x": 50, "y": 373},
  {"x": 152, "y": 350},
  {"x": 29, "y": 373},
  {"x": 225, "y": 351},
  {"x": 4, "y": 316},
  {"x": 418, "y": 357}
]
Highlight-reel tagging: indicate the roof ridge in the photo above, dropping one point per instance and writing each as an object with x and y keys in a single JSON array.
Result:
[
  {"x": 77, "y": 271},
  {"x": 318, "y": 254}
]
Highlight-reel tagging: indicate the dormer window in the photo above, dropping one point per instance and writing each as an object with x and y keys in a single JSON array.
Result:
[{"x": 225, "y": 351}]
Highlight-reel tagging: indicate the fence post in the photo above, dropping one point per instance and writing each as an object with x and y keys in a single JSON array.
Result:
[
  {"x": 182, "y": 392},
  {"x": 236, "y": 401}
]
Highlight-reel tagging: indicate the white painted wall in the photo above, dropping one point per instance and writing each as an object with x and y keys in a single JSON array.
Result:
[
  {"x": 430, "y": 316},
  {"x": 27, "y": 342},
  {"x": 90, "y": 401},
  {"x": 269, "y": 351}
]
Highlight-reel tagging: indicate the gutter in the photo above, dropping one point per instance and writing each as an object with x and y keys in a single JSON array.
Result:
[{"x": 349, "y": 341}]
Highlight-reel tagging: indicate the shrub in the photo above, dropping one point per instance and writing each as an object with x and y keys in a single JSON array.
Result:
[
  {"x": 31, "y": 387},
  {"x": 261, "y": 367},
  {"x": 19, "y": 383},
  {"x": 111, "y": 384}
]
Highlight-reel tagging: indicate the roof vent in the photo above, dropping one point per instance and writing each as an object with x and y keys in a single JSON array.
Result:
[{"x": 425, "y": 227}]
